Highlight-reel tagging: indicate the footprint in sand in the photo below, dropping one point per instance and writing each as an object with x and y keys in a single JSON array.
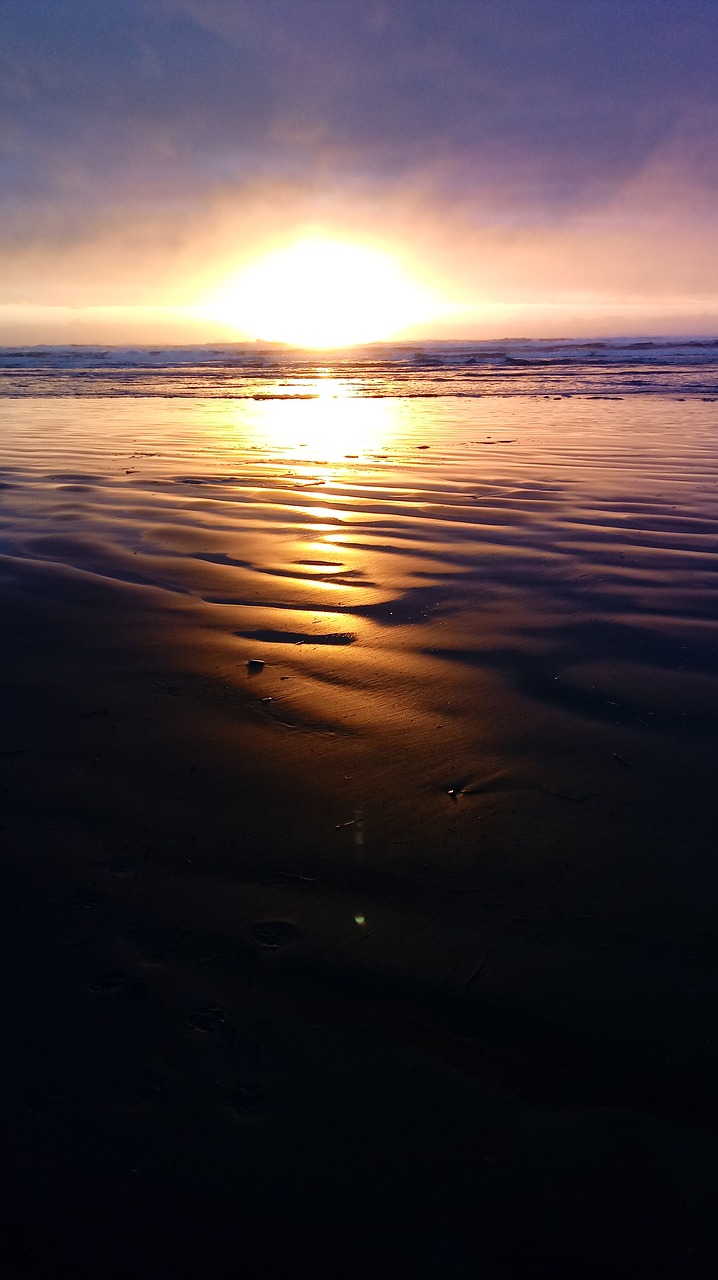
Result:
[
  {"x": 85, "y": 901},
  {"x": 155, "y": 946},
  {"x": 208, "y": 1018},
  {"x": 44, "y": 1098},
  {"x": 141, "y": 1089},
  {"x": 109, "y": 985},
  {"x": 121, "y": 868},
  {"x": 273, "y": 934},
  {"x": 246, "y": 1101}
]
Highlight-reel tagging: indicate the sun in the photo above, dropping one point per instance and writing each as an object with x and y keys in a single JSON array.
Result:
[{"x": 323, "y": 293}]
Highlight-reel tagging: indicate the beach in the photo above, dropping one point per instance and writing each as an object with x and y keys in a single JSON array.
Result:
[{"x": 357, "y": 763}]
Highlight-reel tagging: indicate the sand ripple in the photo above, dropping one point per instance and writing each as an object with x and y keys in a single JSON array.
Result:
[{"x": 459, "y": 807}]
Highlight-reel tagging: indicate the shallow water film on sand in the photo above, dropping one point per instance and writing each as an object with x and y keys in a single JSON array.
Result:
[{"x": 358, "y": 767}]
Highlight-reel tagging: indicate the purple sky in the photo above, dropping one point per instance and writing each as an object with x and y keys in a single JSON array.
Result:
[{"x": 544, "y": 164}]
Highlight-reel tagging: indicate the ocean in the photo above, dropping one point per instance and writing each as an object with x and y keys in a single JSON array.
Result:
[
  {"x": 358, "y": 759},
  {"x": 621, "y": 366}
]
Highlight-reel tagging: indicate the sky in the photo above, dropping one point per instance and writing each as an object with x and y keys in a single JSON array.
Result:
[{"x": 541, "y": 167}]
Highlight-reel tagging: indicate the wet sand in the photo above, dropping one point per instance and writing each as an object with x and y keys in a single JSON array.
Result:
[{"x": 357, "y": 764}]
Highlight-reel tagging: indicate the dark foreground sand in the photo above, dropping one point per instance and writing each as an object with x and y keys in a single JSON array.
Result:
[{"x": 412, "y": 969}]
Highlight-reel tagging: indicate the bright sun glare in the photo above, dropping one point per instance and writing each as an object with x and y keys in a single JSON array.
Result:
[{"x": 323, "y": 293}]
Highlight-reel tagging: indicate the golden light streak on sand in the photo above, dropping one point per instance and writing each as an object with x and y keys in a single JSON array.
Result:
[{"x": 319, "y": 419}]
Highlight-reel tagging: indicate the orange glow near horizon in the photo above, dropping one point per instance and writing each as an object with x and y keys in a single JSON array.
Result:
[{"x": 323, "y": 293}]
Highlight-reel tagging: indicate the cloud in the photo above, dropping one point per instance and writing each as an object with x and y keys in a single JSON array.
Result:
[
  {"x": 509, "y": 149},
  {"x": 570, "y": 94}
]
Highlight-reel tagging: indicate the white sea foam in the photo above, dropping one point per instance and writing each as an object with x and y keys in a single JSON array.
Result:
[{"x": 615, "y": 366}]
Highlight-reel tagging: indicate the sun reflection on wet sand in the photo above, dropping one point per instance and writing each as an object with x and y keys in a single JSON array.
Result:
[
  {"x": 324, "y": 422},
  {"x": 389, "y": 775},
  {"x": 408, "y": 586},
  {"x": 432, "y": 720}
]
